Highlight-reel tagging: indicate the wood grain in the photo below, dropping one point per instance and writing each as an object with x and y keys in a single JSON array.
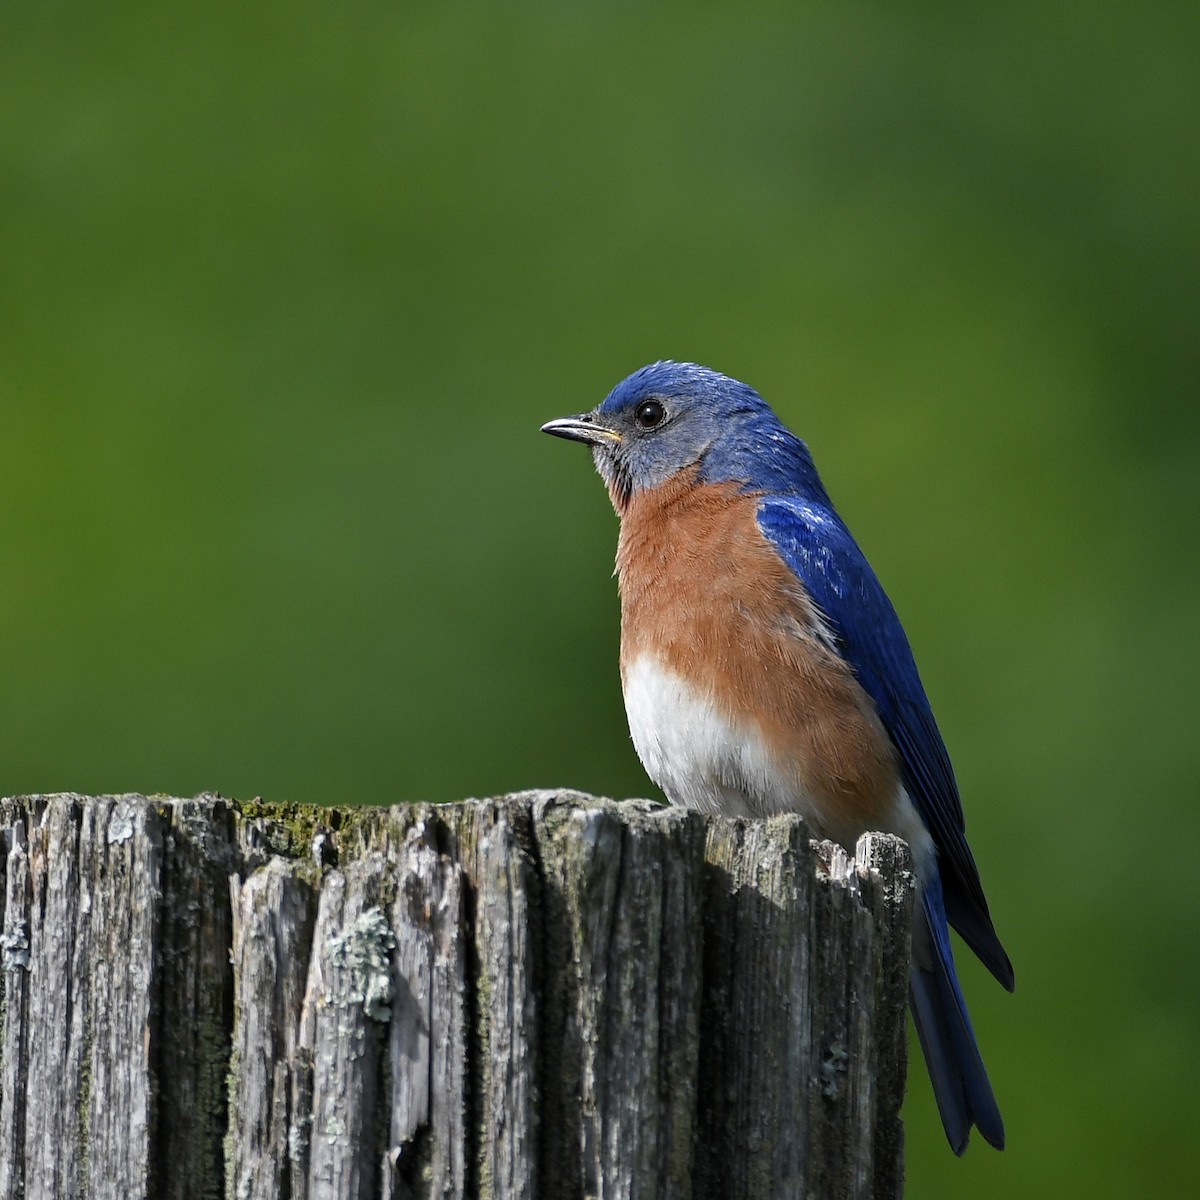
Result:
[{"x": 539, "y": 995}]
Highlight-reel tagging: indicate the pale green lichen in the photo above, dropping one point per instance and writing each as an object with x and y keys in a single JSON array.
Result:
[
  {"x": 362, "y": 957},
  {"x": 298, "y": 1138},
  {"x": 15, "y": 949},
  {"x": 120, "y": 822}
]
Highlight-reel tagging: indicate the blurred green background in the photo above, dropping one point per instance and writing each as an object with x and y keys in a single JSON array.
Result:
[{"x": 286, "y": 290}]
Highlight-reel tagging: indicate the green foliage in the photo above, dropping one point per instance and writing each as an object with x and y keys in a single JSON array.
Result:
[{"x": 287, "y": 290}]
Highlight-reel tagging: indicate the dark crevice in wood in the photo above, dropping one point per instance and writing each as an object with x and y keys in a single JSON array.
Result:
[
  {"x": 474, "y": 1050},
  {"x": 557, "y": 1157}
]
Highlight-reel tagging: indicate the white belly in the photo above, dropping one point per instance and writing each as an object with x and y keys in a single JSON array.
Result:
[
  {"x": 704, "y": 761},
  {"x": 697, "y": 756}
]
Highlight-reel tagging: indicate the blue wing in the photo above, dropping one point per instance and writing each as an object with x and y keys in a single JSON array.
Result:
[
  {"x": 819, "y": 549},
  {"x": 815, "y": 544}
]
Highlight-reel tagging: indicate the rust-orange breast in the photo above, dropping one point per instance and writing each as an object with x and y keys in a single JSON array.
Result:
[{"x": 706, "y": 595}]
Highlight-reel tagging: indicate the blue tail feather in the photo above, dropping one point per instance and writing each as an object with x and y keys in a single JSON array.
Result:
[{"x": 960, "y": 1083}]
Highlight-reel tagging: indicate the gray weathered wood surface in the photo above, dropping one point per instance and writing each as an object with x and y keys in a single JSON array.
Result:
[{"x": 539, "y": 996}]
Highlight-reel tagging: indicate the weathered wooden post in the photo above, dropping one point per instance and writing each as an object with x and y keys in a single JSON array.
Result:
[{"x": 540, "y": 997}]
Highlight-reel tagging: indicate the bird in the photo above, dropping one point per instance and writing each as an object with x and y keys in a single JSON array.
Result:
[{"x": 764, "y": 670}]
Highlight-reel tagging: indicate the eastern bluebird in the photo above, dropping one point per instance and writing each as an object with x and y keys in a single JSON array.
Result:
[{"x": 765, "y": 670}]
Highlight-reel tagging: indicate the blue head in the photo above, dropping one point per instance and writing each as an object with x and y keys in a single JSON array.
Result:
[{"x": 670, "y": 417}]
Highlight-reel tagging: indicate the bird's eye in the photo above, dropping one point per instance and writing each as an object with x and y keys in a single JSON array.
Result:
[{"x": 649, "y": 413}]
